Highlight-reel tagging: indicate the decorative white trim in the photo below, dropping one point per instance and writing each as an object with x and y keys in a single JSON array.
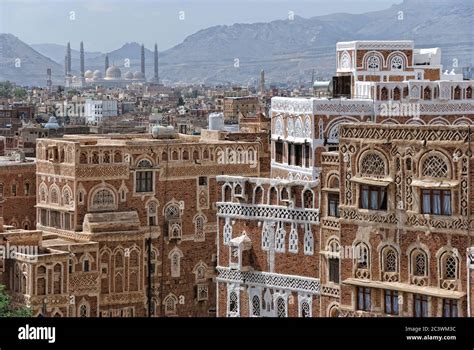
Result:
[{"x": 270, "y": 280}]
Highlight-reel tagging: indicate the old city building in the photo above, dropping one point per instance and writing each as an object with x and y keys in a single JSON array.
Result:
[
  {"x": 126, "y": 223},
  {"x": 405, "y": 208},
  {"x": 390, "y": 218},
  {"x": 268, "y": 248},
  {"x": 386, "y": 82},
  {"x": 18, "y": 191}
]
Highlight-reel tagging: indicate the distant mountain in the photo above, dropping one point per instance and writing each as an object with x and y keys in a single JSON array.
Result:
[
  {"x": 23, "y": 65},
  {"x": 288, "y": 50},
  {"x": 57, "y": 52}
]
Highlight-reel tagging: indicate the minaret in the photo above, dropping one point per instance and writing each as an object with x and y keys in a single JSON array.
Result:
[
  {"x": 106, "y": 63},
  {"x": 49, "y": 82},
  {"x": 82, "y": 59},
  {"x": 156, "y": 77},
  {"x": 65, "y": 66},
  {"x": 262, "y": 82},
  {"x": 143, "y": 60},
  {"x": 68, "y": 54}
]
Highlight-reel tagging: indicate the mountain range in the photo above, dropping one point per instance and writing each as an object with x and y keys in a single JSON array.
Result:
[{"x": 288, "y": 50}]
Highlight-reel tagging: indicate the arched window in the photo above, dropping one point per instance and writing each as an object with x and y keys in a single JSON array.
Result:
[
  {"x": 170, "y": 304},
  {"x": 273, "y": 197},
  {"x": 227, "y": 193},
  {"x": 396, "y": 94},
  {"x": 396, "y": 63},
  {"x": 373, "y": 63},
  {"x": 103, "y": 199},
  {"x": 427, "y": 93},
  {"x": 43, "y": 193},
  {"x": 345, "y": 61},
  {"x": 384, "y": 94},
  {"x": 308, "y": 199},
  {"x": 172, "y": 212},
  {"x": 54, "y": 195},
  {"x": 284, "y": 194},
  {"x": 293, "y": 239},
  {"x": 469, "y": 92},
  {"x": 258, "y": 198},
  {"x": 419, "y": 262},
  {"x": 151, "y": 212},
  {"x": 95, "y": 158},
  {"x": 67, "y": 196},
  {"x": 144, "y": 177},
  {"x": 227, "y": 232},
  {"x": 389, "y": 259},
  {"x": 281, "y": 307},
  {"x": 199, "y": 227},
  {"x": 175, "y": 257},
  {"x": 280, "y": 238},
  {"x": 457, "y": 93},
  {"x": 40, "y": 280},
  {"x": 333, "y": 261},
  {"x": 449, "y": 266},
  {"x": 362, "y": 255},
  {"x": 117, "y": 157},
  {"x": 83, "y": 158},
  {"x": 308, "y": 240},
  {"x": 106, "y": 157},
  {"x": 434, "y": 166},
  {"x": 195, "y": 154},
  {"x": 118, "y": 260},
  {"x": 233, "y": 303},
  {"x": 200, "y": 272},
  {"x": 256, "y": 306},
  {"x": 83, "y": 310},
  {"x": 164, "y": 156},
  {"x": 174, "y": 155},
  {"x": 305, "y": 309},
  {"x": 372, "y": 165},
  {"x": 57, "y": 281},
  {"x": 185, "y": 155},
  {"x": 27, "y": 188},
  {"x": 238, "y": 189}
]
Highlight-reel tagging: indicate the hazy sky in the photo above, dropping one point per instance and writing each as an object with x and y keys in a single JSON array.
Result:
[{"x": 105, "y": 25}]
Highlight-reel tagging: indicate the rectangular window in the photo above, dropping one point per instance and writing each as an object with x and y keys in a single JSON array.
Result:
[
  {"x": 436, "y": 202},
  {"x": 333, "y": 270},
  {"x": 450, "y": 308},
  {"x": 420, "y": 307},
  {"x": 202, "y": 181},
  {"x": 363, "y": 298},
  {"x": 298, "y": 155},
  {"x": 373, "y": 197},
  {"x": 290, "y": 154},
  {"x": 279, "y": 152},
  {"x": 144, "y": 181},
  {"x": 333, "y": 205},
  {"x": 307, "y": 155},
  {"x": 391, "y": 302}
]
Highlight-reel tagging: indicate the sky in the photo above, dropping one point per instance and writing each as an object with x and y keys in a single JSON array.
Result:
[{"x": 105, "y": 25}]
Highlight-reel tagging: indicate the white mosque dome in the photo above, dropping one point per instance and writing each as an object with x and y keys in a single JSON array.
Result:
[
  {"x": 128, "y": 75},
  {"x": 138, "y": 75},
  {"x": 52, "y": 123},
  {"x": 88, "y": 74},
  {"x": 113, "y": 72},
  {"x": 97, "y": 74}
]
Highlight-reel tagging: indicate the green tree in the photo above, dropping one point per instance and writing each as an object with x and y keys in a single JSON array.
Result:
[
  {"x": 19, "y": 93},
  {"x": 7, "y": 310},
  {"x": 5, "y": 89}
]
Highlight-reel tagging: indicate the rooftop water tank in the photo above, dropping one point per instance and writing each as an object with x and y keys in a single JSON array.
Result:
[
  {"x": 161, "y": 131},
  {"x": 216, "y": 121}
]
